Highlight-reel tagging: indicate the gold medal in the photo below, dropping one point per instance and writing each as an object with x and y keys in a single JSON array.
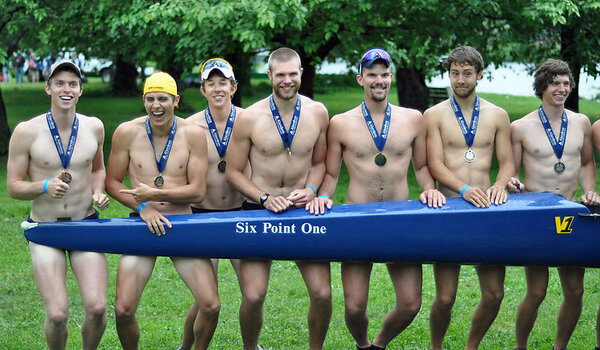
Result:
[
  {"x": 289, "y": 151},
  {"x": 159, "y": 181}
]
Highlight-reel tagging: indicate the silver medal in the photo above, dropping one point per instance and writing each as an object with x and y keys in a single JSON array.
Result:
[{"x": 470, "y": 155}]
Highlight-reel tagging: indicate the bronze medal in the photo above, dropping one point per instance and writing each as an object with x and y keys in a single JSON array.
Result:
[
  {"x": 66, "y": 177},
  {"x": 221, "y": 166},
  {"x": 559, "y": 167},
  {"x": 470, "y": 155},
  {"x": 159, "y": 181},
  {"x": 380, "y": 159}
]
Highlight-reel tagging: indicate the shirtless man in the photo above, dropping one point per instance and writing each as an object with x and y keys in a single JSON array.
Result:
[
  {"x": 283, "y": 138},
  {"x": 378, "y": 172},
  {"x": 160, "y": 188},
  {"x": 462, "y": 134},
  {"x": 63, "y": 186},
  {"x": 553, "y": 162},
  {"x": 218, "y": 86},
  {"x": 596, "y": 138}
]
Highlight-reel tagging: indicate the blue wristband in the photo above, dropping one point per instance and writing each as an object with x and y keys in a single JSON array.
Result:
[
  {"x": 462, "y": 191},
  {"x": 46, "y": 185},
  {"x": 323, "y": 196},
  {"x": 139, "y": 209},
  {"x": 312, "y": 188}
]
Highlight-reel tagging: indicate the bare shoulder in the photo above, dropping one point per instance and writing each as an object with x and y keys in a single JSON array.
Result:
[
  {"x": 437, "y": 111},
  {"x": 253, "y": 111},
  {"x": 579, "y": 118},
  {"x": 189, "y": 127},
  {"x": 127, "y": 130},
  {"x": 92, "y": 122},
  {"x": 27, "y": 131},
  {"x": 339, "y": 123},
  {"x": 406, "y": 112},
  {"x": 197, "y": 118},
  {"x": 492, "y": 109}
]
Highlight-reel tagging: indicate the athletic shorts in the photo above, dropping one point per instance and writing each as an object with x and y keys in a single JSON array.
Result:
[
  {"x": 251, "y": 206},
  {"x": 95, "y": 215},
  {"x": 202, "y": 210}
]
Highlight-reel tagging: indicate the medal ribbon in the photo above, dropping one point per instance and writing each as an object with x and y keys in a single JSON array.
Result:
[
  {"x": 379, "y": 139},
  {"x": 468, "y": 132},
  {"x": 220, "y": 144},
  {"x": 167, "y": 150},
  {"x": 65, "y": 157},
  {"x": 288, "y": 136},
  {"x": 558, "y": 146}
]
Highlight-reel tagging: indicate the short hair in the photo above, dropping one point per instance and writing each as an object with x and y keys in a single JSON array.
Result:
[
  {"x": 217, "y": 72},
  {"x": 547, "y": 71},
  {"x": 462, "y": 55},
  {"x": 283, "y": 54}
]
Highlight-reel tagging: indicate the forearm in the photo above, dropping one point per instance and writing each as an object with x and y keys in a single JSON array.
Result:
[
  {"x": 446, "y": 178},
  {"x": 98, "y": 179},
  {"x": 25, "y": 190},
  {"x": 315, "y": 176},
  {"x": 190, "y": 193},
  {"x": 587, "y": 177},
  {"x": 113, "y": 188},
  {"x": 424, "y": 178},
  {"x": 244, "y": 185},
  {"x": 329, "y": 185}
]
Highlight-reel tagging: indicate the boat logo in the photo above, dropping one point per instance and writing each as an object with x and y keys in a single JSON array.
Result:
[{"x": 563, "y": 224}]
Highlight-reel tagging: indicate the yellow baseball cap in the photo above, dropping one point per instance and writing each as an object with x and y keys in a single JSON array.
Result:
[{"x": 160, "y": 82}]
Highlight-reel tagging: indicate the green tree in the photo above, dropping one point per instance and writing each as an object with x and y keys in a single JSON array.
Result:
[{"x": 16, "y": 19}]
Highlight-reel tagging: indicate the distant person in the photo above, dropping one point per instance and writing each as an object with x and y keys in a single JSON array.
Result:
[
  {"x": 55, "y": 160},
  {"x": 218, "y": 85},
  {"x": 377, "y": 162},
  {"x": 19, "y": 63},
  {"x": 160, "y": 187},
  {"x": 33, "y": 72},
  {"x": 554, "y": 145},
  {"x": 283, "y": 138},
  {"x": 463, "y": 134},
  {"x": 6, "y": 71}
]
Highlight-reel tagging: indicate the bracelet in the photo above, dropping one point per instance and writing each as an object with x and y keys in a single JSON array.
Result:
[
  {"x": 323, "y": 196},
  {"x": 462, "y": 191},
  {"x": 312, "y": 188},
  {"x": 46, "y": 185},
  {"x": 139, "y": 209}
]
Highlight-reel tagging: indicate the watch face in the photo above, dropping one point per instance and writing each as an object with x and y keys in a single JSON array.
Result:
[{"x": 264, "y": 198}]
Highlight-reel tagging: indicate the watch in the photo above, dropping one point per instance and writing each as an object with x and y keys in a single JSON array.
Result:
[{"x": 263, "y": 199}]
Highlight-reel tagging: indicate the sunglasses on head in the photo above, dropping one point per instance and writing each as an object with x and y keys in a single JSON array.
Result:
[
  {"x": 215, "y": 62},
  {"x": 373, "y": 55}
]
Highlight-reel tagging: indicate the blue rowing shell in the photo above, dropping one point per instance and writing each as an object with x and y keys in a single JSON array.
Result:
[{"x": 529, "y": 229}]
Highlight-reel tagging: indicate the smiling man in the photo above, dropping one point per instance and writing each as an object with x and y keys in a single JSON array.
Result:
[
  {"x": 63, "y": 185},
  {"x": 377, "y": 141},
  {"x": 165, "y": 157},
  {"x": 283, "y": 139},
  {"x": 218, "y": 85},
  {"x": 554, "y": 145},
  {"x": 463, "y": 133}
]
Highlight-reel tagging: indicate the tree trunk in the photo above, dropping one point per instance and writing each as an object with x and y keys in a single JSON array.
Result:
[
  {"x": 4, "y": 130},
  {"x": 242, "y": 68},
  {"x": 568, "y": 52},
  {"x": 412, "y": 90},
  {"x": 308, "y": 75},
  {"x": 124, "y": 82}
]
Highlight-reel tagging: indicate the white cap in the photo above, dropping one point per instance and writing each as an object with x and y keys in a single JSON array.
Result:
[
  {"x": 216, "y": 63},
  {"x": 64, "y": 63}
]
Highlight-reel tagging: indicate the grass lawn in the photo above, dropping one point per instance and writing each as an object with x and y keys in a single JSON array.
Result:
[{"x": 166, "y": 299}]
